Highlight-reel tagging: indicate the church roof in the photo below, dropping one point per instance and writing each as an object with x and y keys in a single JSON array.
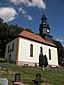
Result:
[{"x": 35, "y": 37}]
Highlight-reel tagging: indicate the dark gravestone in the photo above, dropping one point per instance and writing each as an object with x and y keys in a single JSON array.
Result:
[
  {"x": 38, "y": 80},
  {"x": 17, "y": 77}
]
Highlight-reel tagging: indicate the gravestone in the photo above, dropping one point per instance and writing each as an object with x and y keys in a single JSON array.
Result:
[
  {"x": 3, "y": 81},
  {"x": 17, "y": 77}
]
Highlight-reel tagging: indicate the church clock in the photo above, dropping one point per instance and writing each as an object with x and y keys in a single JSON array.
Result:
[{"x": 47, "y": 30}]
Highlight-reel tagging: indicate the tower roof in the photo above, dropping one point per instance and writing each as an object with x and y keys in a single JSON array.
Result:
[
  {"x": 43, "y": 18},
  {"x": 44, "y": 23}
]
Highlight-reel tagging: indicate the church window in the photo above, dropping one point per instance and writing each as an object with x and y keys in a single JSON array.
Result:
[
  {"x": 41, "y": 50},
  {"x": 49, "y": 54},
  {"x": 12, "y": 47},
  {"x": 31, "y": 50}
]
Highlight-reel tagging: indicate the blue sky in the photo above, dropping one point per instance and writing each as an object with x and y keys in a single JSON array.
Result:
[{"x": 28, "y": 13}]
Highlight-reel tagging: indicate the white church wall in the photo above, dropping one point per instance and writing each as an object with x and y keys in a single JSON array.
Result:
[
  {"x": 24, "y": 52},
  {"x": 11, "y": 53},
  {"x": 54, "y": 55}
]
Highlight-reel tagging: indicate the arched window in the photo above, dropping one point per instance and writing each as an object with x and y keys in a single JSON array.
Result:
[
  {"x": 41, "y": 50},
  {"x": 31, "y": 50},
  {"x": 49, "y": 54}
]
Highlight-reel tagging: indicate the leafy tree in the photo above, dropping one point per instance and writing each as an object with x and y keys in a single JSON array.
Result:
[
  {"x": 14, "y": 30},
  {"x": 27, "y": 29},
  {"x": 60, "y": 51},
  {"x": 7, "y": 33},
  {"x": 43, "y": 60},
  {"x": 3, "y": 37}
]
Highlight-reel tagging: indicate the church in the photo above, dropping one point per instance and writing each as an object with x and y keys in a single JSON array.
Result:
[{"x": 26, "y": 47}]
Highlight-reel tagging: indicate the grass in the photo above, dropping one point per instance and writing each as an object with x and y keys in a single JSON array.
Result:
[{"x": 55, "y": 76}]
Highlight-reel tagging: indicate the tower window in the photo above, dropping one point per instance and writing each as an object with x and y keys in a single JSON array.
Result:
[
  {"x": 49, "y": 54},
  {"x": 31, "y": 50},
  {"x": 41, "y": 50}
]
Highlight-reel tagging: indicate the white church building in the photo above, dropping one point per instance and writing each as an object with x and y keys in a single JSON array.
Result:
[{"x": 26, "y": 47}]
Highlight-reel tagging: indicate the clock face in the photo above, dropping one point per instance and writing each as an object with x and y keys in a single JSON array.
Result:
[{"x": 48, "y": 30}]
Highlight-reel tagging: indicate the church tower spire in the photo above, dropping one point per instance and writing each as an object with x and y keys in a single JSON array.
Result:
[{"x": 45, "y": 29}]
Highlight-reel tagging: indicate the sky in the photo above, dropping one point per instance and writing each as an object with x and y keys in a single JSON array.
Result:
[{"x": 28, "y": 13}]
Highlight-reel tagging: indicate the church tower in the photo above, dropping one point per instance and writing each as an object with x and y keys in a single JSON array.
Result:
[{"x": 45, "y": 29}]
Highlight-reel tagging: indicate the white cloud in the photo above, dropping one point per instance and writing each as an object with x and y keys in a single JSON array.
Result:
[
  {"x": 7, "y": 13},
  {"x": 23, "y": 11},
  {"x": 37, "y": 3},
  {"x": 63, "y": 45},
  {"x": 32, "y": 3},
  {"x": 18, "y": 1},
  {"x": 61, "y": 40},
  {"x": 29, "y": 17}
]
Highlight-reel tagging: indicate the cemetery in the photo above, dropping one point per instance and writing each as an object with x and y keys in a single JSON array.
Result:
[{"x": 17, "y": 75}]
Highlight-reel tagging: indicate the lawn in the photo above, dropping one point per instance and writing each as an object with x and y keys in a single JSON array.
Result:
[{"x": 55, "y": 76}]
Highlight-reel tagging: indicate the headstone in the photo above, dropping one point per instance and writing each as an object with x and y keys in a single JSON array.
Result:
[
  {"x": 3, "y": 81},
  {"x": 17, "y": 77}
]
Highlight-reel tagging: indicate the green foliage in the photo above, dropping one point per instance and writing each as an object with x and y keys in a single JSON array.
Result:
[
  {"x": 43, "y": 60},
  {"x": 27, "y": 29},
  {"x": 7, "y": 33},
  {"x": 60, "y": 51}
]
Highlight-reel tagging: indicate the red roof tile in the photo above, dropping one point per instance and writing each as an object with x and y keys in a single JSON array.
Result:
[{"x": 35, "y": 37}]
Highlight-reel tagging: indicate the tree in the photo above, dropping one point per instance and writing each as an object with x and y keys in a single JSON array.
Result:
[
  {"x": 3, "y": 37},
  {"x": 29, "y": 30},
  {"x": 60, "y": 51},
  {"x": 7, "y": 33},
  {"x": 14, "y": 30},
  {"x": 43, "y": 60}
]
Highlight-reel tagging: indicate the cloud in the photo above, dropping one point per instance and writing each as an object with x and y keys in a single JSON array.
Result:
[
  {"x": 16, "y": 2},
  {"x": 29, "y": 17},
  {"x": 61, "y": 40},
  {"x": 63, "y": 45},
  {"x": 7, "y": 13},
  {"x": 23, "y": 11},
  {"x": 30, "y": 3}
]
